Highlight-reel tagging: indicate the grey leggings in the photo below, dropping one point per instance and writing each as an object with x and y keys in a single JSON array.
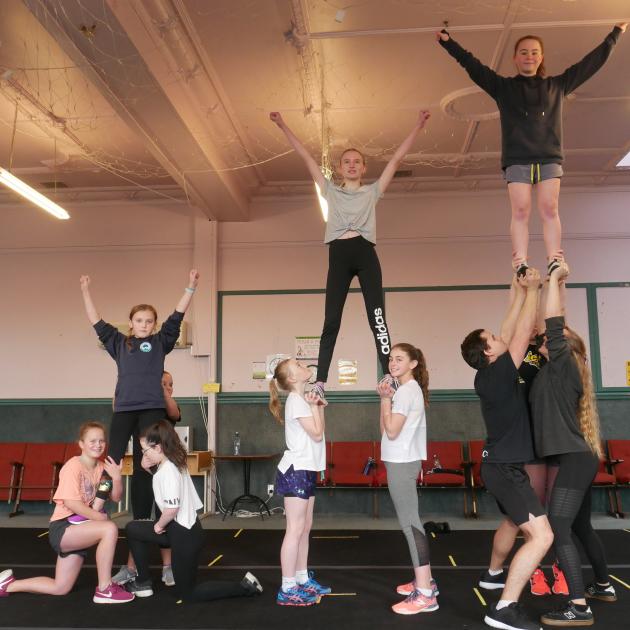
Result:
[{"x": 402, "y": 480}]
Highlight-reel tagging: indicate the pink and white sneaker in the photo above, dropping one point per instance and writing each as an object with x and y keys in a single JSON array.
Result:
[
  {"x": 113, "y": 594},
  {"x": 6, "y": 577},
  {"x": 416, "y": 603},
  {"x": 410, "y": 587}
]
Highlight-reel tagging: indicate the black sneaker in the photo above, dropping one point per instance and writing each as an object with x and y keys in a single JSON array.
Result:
[
  {"x": 251, "y": 584},
  {"x": 521, "y": 270},
  {"x": 511, "y": 617},
  {"x": 552, "y": 265},
  {"x": 492, "y": 582},
  {"x": 597, "y": 591},
  {"x": 568, "y": 616},
  {"x": 140, "y": 589}
]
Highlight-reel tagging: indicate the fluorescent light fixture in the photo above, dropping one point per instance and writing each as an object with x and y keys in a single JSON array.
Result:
[
  {"x": 323, "y": 204},
  {"x": 32, "y": 195},
  {"x": 625, "y": 160}
]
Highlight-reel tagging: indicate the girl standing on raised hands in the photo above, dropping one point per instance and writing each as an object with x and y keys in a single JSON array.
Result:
[
  {"x": 177, "y": 526},
  {"x": 139, "y": 396},
  {"x": 78, "y": 481},
  {"x": 403, "y": 427},
  {"x": 297, "y": 477},
  {"x": 530, "y": 105},
  {"x": 351, "y": 236}
]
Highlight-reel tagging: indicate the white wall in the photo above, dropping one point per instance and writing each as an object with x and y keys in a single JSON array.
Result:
[{"x": 142, "y": 252}]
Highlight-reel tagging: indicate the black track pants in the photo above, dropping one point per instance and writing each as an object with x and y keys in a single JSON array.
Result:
[
  {"x": 186, "y": 546},
  {"x": 570, "y": 512},
  {"x": 348, "y": 258}
]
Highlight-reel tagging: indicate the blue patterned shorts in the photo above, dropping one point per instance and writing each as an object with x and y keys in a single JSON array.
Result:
[{"x": 296, "y": 483}]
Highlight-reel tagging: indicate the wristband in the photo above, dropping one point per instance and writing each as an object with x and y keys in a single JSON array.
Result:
[{"x": 189, "y": 289}]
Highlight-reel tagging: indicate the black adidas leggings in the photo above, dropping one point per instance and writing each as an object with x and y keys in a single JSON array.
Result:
[
  {"x": 186, "y": 546},
  {"x": 569, "y": 512},
  {"x": 348, "y": 258}
]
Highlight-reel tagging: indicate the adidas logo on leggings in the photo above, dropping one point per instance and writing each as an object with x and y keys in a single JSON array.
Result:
[{"x": 381, "y": 331}]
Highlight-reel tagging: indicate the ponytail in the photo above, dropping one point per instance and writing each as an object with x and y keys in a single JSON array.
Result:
[
  {"x": 280, "y": 377},
  {"x": 420, "y": 372}
]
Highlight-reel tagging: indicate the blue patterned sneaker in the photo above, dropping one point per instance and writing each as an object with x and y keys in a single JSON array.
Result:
[
  {"x": 296, "y": 596},
  {"x": 391, "y": 381},
  {"x": 318, "y": 388},
  {"x": 314, "y": 587}
]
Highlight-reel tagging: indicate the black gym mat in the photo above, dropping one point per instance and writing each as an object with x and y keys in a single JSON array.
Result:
[{"x": 363, "y": 568}]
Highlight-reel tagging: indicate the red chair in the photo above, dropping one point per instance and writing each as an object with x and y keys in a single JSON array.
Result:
[
  {"x": 475, "y": 449},
  {"x": 347, "y": 460},
  {"x": 72, "y": 450},
  {"x": 11, "y": 457},
  {"x": 380, "y": 472},
  {"x": 39, "y": 473},
  {"x": 605, "y": 478},
  {"x": 444, "y": 467},
  {"x": 619, "y": 454},
  {"x": 326, "y": 479}
]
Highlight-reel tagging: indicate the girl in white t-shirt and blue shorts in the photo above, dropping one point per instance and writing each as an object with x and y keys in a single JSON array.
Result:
[
  {"x": 403, "y": 447},
  {"x": 297, "y": 477}
]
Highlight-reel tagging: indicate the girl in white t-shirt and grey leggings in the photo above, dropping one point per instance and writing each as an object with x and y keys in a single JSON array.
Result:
[
  {"x": 297, "y": 477},
  {"x": 403, "y": 447},
  {"x": 178, "y": 526}
]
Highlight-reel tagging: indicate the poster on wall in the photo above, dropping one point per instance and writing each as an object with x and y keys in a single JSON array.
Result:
[
  {"x": 348, "y": 372},
  {"x": 258, "y": 370},
  {"x": 307, "y": 348}
]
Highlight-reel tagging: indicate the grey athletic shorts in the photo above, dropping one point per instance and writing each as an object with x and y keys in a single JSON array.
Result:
[
  {"x": 56, "y": 530},
  {"x": 531, "y": 173}
]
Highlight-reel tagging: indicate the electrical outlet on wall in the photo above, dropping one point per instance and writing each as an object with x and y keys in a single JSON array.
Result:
[{"x": 269, "y": 489}]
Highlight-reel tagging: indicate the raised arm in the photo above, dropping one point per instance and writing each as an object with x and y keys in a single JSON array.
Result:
[
  {"x": 517, "y": 297},
  {"x": 526, "y": 319},
  {"x": 315, "y": 425},
  {"x": 90, "y": 309},
  {"x": 311, "y": 164},
  {"x": 184, "y": 302},
  {"x": 555, "y": 306},
  {"x": 486, "y": 78},
  {"x": 584, "y": 69},
  {"x": 403, "y": 149}
]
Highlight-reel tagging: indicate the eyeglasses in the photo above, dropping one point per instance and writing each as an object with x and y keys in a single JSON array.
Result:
[{"x": 148, "y": 448}]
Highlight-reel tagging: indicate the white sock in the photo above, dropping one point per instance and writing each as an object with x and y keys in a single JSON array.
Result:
[
  {"x": 427, "y": 592},
  {"x": 301, "y": 577},
  {"x": 503, "y": 603},
  {"x": 494, "y": 572},
  {"x": 288, "y": 583}
]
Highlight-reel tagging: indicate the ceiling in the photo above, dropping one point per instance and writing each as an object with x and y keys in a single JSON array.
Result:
[{"x": 169, "y": 99}]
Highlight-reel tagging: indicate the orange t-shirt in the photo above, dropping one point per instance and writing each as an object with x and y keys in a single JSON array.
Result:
[{"x": 77, "y": 482}]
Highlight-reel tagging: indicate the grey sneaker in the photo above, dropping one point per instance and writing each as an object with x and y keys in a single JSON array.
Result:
[
  {"x": 318, "y": 388},
  {"x": 124, "y": 575},
  {"x": 251, "y": 584},
  {"x": 140, "y": 589},
  {"x": 391, "y": 381},
  {"x": 167, "y": 576}
]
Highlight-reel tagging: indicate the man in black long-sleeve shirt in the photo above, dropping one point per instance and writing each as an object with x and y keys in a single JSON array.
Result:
[{"x": 530, "y": 106}]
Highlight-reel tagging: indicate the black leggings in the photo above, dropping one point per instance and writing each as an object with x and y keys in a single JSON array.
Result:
[
  {"x": 570, "y": 512},
  {"x": 124, "y": 425},
  {"x": 186, "y": 545},
  {"x": 348, "y": 258}
]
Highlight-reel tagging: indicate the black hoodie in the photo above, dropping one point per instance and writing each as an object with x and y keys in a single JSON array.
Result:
[{"x": 531, "y": 107}]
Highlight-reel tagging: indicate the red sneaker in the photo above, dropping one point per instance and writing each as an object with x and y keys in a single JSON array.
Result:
[
  {"x": 113, "y": 594},
  {"x": 538, "y": 583},
  {"x": 559, "y": 583}
]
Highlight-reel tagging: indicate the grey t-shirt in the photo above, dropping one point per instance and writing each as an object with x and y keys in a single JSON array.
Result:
[{"x": 351, "y": 210}]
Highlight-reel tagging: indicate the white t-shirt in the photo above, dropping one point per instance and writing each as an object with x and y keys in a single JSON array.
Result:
[
  {"x": 303, "y": 452},
  {"x": 411, "y": 443},
  {"x": 173, "y": 488}
]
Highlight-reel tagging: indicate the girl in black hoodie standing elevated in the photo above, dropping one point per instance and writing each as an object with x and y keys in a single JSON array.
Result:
[{"x": 530, "y": 105}]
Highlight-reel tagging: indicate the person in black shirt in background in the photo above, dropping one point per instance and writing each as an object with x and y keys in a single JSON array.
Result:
[
  {"x": 566, "y": 426},
  {"x": 508, "y": 446},
  {"x": 530, "y": 105}
]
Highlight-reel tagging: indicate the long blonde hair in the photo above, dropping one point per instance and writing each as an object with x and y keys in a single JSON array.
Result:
[
  {"x": 280, "y": 381},
  {"x": 587, "y": 415}
]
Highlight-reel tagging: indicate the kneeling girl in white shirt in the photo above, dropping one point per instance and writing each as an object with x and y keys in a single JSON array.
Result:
[
  {"x": 296, "y": 478},
  {"x": 403, "y": 427},
  {"x": 178, "y": 526}
]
